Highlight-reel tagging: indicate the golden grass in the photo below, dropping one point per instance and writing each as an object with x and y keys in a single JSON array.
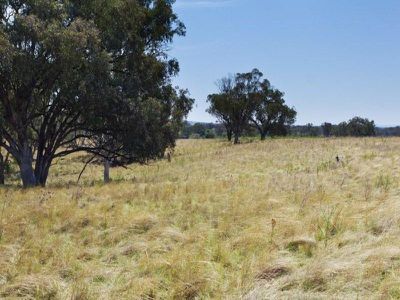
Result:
[{"x": 262, "y": 220}]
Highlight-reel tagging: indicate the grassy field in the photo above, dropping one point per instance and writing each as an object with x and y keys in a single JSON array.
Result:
[{"x": 279, "y": 219}]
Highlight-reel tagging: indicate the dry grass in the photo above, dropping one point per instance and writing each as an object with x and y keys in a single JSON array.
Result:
[{"x": 273, "y": 220}]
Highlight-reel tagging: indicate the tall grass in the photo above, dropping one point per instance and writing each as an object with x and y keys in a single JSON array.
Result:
[{"x": 273, "y": 219}]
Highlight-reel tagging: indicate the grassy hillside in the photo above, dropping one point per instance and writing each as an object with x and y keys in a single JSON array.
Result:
[{"x": 278, "y": 219}]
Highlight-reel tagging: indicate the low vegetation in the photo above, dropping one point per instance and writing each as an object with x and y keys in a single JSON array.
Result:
[{"x": 262, "y": 220}]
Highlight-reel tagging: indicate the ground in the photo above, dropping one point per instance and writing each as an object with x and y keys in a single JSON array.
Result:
[{"x": 279, "y": 219}]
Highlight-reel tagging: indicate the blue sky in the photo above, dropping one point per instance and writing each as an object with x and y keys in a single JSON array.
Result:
[{"x": 334, "y": 59}]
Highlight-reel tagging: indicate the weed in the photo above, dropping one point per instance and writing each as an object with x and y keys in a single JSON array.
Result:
[{"x": 328, "y": 224}]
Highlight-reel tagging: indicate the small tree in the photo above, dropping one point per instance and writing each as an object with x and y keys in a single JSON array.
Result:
[
  {"x": 210, "y": 134},
  {"x": 220, "y": 106},
  {"x": 247, "y": 99},
  {"x": 198, "y": 128},
  {"x": 311, "y": 130},
  {"x": 340, "y": 129},
  {"x": 360, "y": 127},
  {"x": 271, "y": 116},
  {"x": 355, "y": 127},
  {"x": 235, "y": 103},
  {"x": 327, "y": 129}
]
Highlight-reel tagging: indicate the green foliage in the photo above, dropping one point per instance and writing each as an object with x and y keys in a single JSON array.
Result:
[
  {"x": 355, "y": 127},
  {"x": 327, "y": 129},
  {"x": 236, "y": 102},
  {"x": 202, "y": 130},
  {"x": 328, "y": 224},
  {"x": 210, "y": 134},
  {"x": 88, "y": 76},
  {"x": 311, "y": 130},
  {"x": 246, "y": 99},
  {"x": 383, "y": 182},
  {"x": 272, "y": 116}
]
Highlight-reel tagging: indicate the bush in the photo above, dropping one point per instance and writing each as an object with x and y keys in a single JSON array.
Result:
[{"x": 210, "y": 134}]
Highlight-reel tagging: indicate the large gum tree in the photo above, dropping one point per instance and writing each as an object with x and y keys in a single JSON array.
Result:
[{"x": 73, "y": 73}]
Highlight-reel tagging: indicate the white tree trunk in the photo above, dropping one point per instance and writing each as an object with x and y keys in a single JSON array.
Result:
[{"x": 106, "y": 171}]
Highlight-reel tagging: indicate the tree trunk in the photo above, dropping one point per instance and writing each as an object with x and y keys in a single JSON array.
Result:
[
  {"x": 25, "y": 165},
  {"x": 106, "y": 171},
  {"x": 229, "y": 134},
  {"x": 236, "y": 134},
  {"x": 2, "y": 168},
  {"x": 236, "y": 141},
  {"x": 42, "y": 172},
  {"x": 262, "y": 130}
]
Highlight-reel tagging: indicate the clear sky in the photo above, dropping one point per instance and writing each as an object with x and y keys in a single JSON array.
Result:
[{"x": 334, "y": 59}]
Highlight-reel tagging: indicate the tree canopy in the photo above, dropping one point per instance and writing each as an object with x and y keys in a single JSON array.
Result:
[
  {"x": 87, "y": 76},
  {"x": 271, "y": 115},
  {"x": 247, "y": 100},
  {"x": 356, "y": 126}
]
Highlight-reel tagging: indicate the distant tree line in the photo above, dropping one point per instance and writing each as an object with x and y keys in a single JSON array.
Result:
[
  {"x": 356, "y": 127},
  {"x": 388, "y": 131},
  {"x": 201, "y": 130}
]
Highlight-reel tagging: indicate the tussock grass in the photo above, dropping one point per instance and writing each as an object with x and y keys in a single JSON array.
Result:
[{"x": 274, "y": 219}]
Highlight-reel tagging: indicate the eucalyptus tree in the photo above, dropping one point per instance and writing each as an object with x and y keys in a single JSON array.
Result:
[
  {"x": 271, "y": 115},
  {"x": 220, "y": 108},
  {"x": 358, "y": 126},
  {"x": 235, "y": 102},
  {"x": 246, "y": 99},
  {"x": 73, "y": 71},
  {"x": 327, "y": 129}
]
